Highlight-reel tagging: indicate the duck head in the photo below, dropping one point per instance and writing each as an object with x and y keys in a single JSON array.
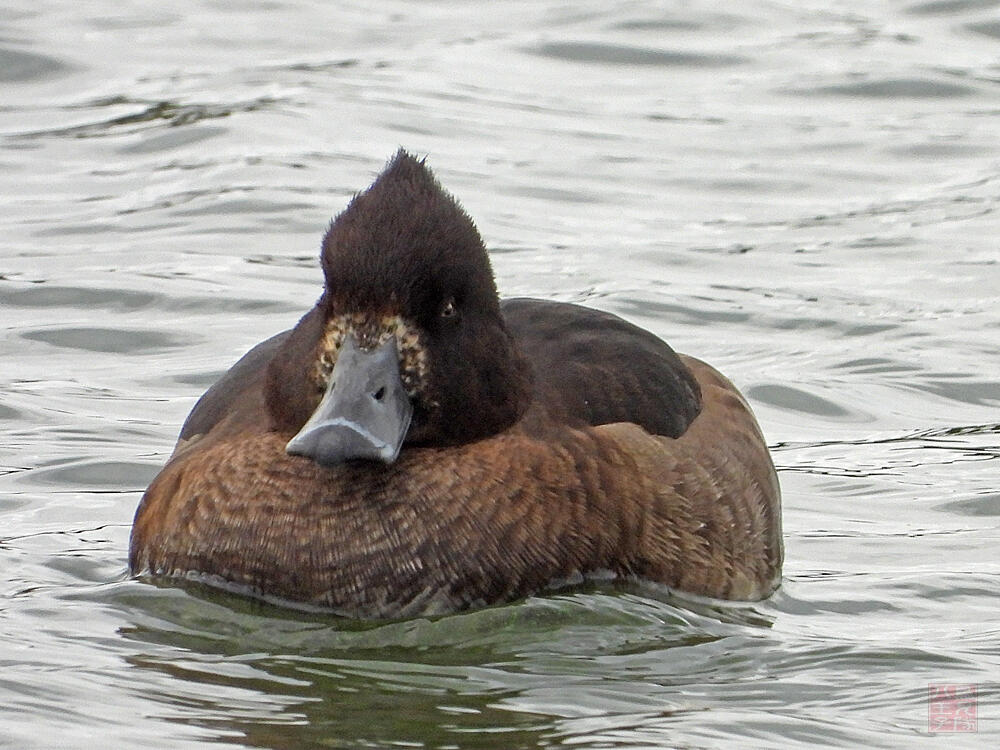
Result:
[{"x": 407, "y": 344}]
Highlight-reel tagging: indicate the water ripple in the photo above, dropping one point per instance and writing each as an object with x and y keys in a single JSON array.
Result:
[
  {"x": 617, "y": 54},
  {"x": 890, "y": 88},
  {"x": 986, "y": 28},
  {"x": 18, "y": 66},
  {"x": 109, "y": 340},
  {"x": 170, "y": 113},
  {"x": 948, "y": 7}
]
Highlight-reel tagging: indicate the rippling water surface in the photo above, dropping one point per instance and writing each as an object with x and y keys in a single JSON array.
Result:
[{"x": 805, "y": 194}]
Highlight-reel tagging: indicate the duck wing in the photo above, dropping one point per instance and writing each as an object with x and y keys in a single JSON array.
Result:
[{"x": 593, "y": 368}]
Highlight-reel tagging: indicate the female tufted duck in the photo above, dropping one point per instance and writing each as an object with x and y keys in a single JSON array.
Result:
[{"x": 415, "y": 446}]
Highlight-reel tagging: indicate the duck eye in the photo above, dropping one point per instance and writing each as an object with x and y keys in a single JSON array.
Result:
[{"x": 448, "y": 310}]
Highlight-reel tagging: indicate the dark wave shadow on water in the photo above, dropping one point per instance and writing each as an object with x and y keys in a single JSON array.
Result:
[
  {"x": 593, "y": 665},
  {"x": 22, "y": 66},
  {"x": 468, "y": 679}
]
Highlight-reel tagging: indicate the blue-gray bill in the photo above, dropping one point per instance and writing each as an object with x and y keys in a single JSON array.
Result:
[{"x": 365, "y": 411}]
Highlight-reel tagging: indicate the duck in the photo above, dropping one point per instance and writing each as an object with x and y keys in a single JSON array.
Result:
[{"x": 415, "y": 446}]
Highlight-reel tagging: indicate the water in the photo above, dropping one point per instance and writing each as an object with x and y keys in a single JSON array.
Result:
[{"x": 804, "y": 194}]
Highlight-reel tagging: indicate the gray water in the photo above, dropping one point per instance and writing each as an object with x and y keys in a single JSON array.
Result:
[{"x": 805, "y": 194}]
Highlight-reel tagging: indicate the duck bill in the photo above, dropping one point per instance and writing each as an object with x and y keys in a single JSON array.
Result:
[{"x": 365, "y": 411}]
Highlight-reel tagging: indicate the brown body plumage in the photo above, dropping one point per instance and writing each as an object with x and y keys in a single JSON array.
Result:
[{"x": 548, "y": 442}]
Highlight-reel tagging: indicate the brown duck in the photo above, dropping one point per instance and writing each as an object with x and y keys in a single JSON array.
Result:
[{"x": 415, "y": 446}]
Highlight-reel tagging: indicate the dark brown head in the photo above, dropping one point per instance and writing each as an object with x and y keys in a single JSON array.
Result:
[{"x": 409, "y": 284}]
